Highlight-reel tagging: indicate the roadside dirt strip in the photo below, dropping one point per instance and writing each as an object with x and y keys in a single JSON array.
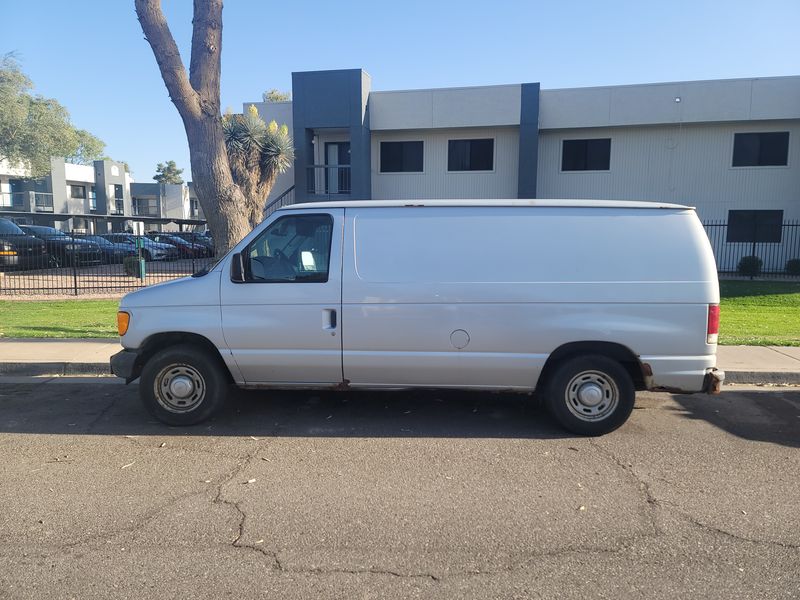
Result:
[{"x": 405, "y": 495}]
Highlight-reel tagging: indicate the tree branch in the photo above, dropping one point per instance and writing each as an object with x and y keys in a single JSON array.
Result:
[
  {"x": 156, "y": 31},
  {"x": 204, "y": 66}
]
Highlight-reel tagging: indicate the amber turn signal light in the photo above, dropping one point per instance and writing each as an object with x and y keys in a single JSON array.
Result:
[{"x": 123, "y": 320}]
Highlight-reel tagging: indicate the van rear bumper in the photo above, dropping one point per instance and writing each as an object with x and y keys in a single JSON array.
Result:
[{"x": 686, "y": 374}]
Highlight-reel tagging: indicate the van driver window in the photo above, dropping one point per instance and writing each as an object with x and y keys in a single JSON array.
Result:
[{"x": 294, "y": 248}]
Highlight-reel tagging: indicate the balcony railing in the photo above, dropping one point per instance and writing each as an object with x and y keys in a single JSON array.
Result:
[
  {"x": 43, "y": 202},
  {"x": 328, "y": 180},
  {"x": 27, "y": 201},
  {"x": 146, "y": 211}
]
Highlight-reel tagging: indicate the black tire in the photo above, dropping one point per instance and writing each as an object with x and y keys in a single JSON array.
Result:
[
  {"x": 208, "y": 384},
  {"x": 590, "y": 395},
  {"x": 146, "y": 256}
]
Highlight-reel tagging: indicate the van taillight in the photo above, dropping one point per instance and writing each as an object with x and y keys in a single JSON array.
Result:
[{"x": 712, "y": 334}]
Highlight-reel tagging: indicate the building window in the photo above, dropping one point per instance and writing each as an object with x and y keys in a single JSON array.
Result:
[
  {"x": 118, "y": 191},
  {"x": 755, "y": 226},
  {"x": 761, "y": 149},
  {"x": 586, "y": 155},
  {"x": 401, "y": 157},
  {"x": 119, "y": 207},
  {"x": 470, "y": 155},
  {"x": 77, "y": 191},
  {"x": 92, "y": 199}
]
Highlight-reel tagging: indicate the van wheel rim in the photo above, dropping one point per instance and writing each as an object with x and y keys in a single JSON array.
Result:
[
  {"x": 179, "y": 388},
  {"x": 591, "y": 396}
]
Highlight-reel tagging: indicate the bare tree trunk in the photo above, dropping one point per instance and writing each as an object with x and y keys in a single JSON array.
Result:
[{"x": 197, "y": 99}]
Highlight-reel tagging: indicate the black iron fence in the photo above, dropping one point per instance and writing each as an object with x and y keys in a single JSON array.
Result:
[
  {"x": 39, "y": 260},
  {"x": 45, "y": 261},
  {"x": 778, "y": 257}
]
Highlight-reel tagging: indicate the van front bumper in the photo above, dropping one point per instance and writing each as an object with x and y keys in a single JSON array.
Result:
[{"x": 123, "y": 364}]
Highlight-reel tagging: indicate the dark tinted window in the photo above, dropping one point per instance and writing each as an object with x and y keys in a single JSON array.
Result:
[
  {"x": 586, "y": 155},
  {"x": 77, "y": 191},
  {"x": 118, "y": 191},
  {"x": 470, "y": 155},
  {"x": 755, "y": 226},
  {"x": 401, "y": 157},
  {"x": 761, "y": 149},
  {"x": 9, "y": 228}
]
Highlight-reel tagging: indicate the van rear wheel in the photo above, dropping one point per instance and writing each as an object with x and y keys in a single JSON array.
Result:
[
  {"x": 183, "y": 385},
  {"x": 590, "y": 395}
]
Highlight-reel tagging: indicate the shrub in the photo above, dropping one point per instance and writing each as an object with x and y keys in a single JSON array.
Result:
[
  {"x": 750, "y": 266},
  {"x": 131, "y": 266},
  {"x": 793, "y": 266}
]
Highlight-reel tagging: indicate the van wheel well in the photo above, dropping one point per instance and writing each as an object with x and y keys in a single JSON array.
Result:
[
  {"x": 618, "y": 352},
  {"x": 159, "y": 341}
]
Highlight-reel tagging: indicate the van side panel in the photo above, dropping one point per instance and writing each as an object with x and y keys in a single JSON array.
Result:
[{"x": 480, "y": 296}]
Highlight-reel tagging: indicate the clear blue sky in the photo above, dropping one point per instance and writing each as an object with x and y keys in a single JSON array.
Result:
[{"x": 92, "y": 57}]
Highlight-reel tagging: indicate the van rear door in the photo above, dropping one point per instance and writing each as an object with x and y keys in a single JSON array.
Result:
[{"x": 282, "y": 324}]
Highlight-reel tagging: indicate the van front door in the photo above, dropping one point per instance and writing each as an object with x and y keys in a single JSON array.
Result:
[{"x": 282, "y": 324}]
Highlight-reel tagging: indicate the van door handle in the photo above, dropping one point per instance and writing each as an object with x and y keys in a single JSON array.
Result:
[{"x": 328, "y": 318}]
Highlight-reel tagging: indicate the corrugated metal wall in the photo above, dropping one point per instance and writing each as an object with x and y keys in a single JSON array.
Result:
[
  {"x": 435, "y": 181},
  {"x": 688, "y": 164}
]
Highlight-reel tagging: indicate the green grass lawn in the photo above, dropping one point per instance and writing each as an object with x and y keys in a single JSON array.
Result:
[
  {"x": 759, "y": 313},
  {"x": 58, "y": 319},
  {"x": 754, "y": 313}
]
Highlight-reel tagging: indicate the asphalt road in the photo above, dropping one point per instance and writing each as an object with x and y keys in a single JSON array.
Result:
[{"x": 423, "y": 495}]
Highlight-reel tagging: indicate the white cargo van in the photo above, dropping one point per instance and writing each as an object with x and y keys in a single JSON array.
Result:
[{"x": 583, "y": 302}]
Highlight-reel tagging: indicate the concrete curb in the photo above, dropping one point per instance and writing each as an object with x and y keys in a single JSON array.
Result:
[
  {"x": 75, "y": 369},
  {"x": 54, "y": 369},
  {"x": 759, "y": 377}
]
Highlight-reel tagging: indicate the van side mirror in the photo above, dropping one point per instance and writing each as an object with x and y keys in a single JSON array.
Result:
[{"x": 237, "y": 268}]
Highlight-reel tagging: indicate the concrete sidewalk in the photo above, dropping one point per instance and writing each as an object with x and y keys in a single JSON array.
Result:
[{"x": 742, "y": 364}]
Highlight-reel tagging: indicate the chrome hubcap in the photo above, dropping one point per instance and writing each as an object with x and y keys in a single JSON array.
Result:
[
  {"x": 591, "y": 395},
  {"x": 179, "y": 388}
]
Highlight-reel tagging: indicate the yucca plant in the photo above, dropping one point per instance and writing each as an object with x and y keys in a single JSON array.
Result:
[{"x": 257, "y": 152}]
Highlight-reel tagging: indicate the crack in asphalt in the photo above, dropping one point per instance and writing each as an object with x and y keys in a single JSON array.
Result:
[
  {"x": 142, "y": 521},
  {"x": 737, "y": 537},
  {"x": 96, "y": 420},
  {"x": 654, "y": 502}
]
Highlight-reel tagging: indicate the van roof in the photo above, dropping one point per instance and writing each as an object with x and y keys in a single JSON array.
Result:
[{"x": 550, "y": 203}]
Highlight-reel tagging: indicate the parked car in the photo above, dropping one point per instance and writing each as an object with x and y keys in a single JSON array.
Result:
[
  {"x": 150, "y": 250},
  {"x": 580, "y": 302},
  {"x": 18, "y": 250},
  {"x": 197, "y": 238},
  {"x": 113, "y": 252},
  {"x": 185, "y": 248},
  {"x": 64, "y": 249}
]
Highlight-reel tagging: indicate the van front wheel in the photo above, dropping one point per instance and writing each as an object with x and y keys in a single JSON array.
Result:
[
  {"x": 590, "y": 395},
  {"x": 182, "y": 385}
]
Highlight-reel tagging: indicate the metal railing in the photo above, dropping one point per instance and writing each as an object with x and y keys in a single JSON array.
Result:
[
  {"x": 145, "y": 211},
  {"x": 27, "y": 201},
  {"x": 328, "y": 180},
  {"x": 285, "y": 199},
  {"x": 42, "y": 202},
  {"x": 775, "y": 257}
]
